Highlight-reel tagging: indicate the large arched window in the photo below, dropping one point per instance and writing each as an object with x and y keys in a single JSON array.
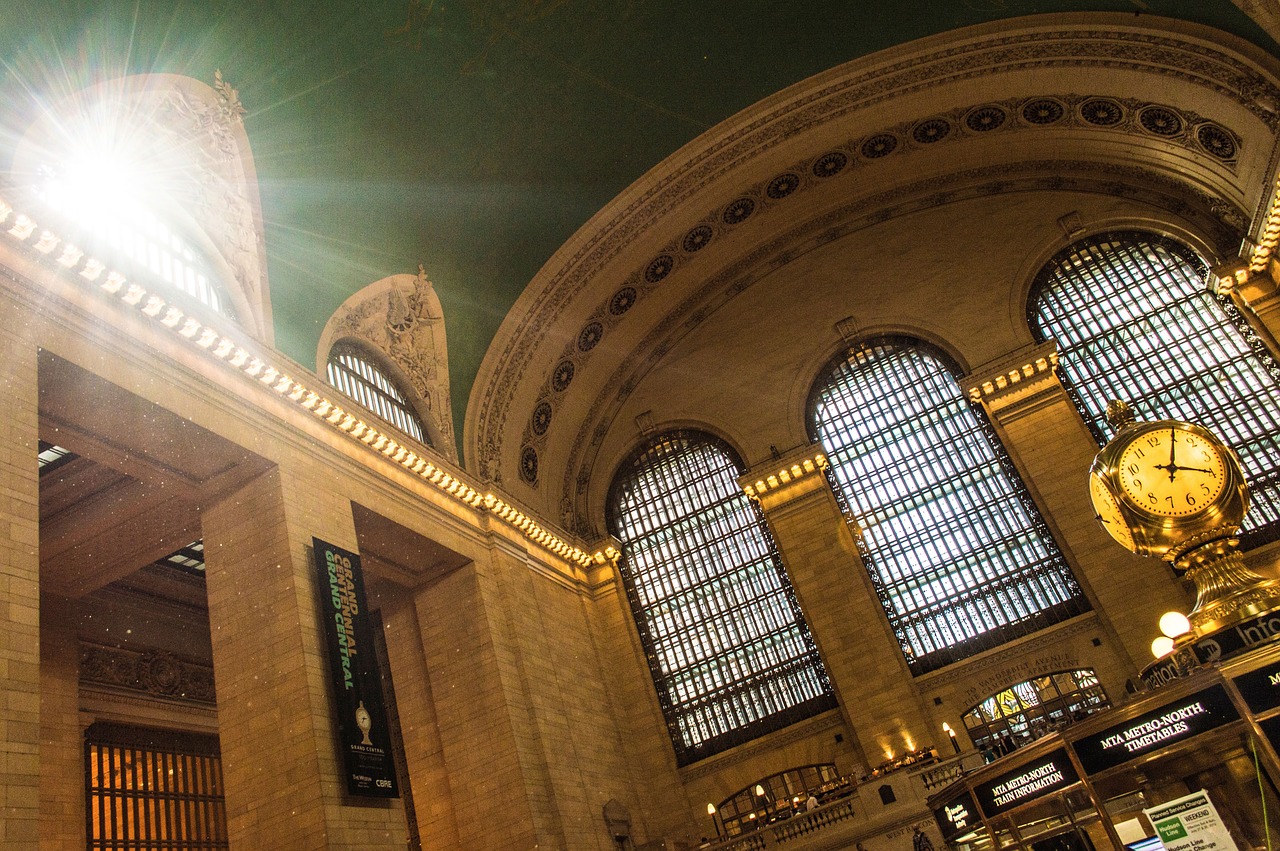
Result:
[
  {"x": 957, "y": 551},
  {"x": 356, "y": 374},
  {"x": 1135, "y": 320},
  {"x": 729, "y": 650}
]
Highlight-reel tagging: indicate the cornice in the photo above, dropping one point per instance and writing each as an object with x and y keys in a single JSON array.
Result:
[
  {"x": 1045, "y": 638},
  {"x": 231, "y": 354}
]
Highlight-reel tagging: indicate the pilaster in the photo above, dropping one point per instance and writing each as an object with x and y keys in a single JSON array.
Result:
[
  {"x": 477, "y": 706},
  {"x": 62, "y": 797},
  {"x": 861, "y": 654},
  {"x": 1258, "y": 290},
  {"x": 1052, "y": 449},
  {"x": 419, "y": 726},
  {"x": 19, "y": 586},
  {"x": 280, "y": 763}
]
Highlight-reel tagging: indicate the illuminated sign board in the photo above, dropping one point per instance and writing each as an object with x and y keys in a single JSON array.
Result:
[
  {"x": 1026, "y": 783},
  {"x": 1260, "y": 688},
  {"x": 1173, "y": 722},
  {"x": 957, "y": 817},
  {"x": 1271, "y": 729}
]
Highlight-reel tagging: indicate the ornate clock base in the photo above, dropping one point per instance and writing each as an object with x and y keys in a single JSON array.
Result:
[{"x": 1227, "y": 591}]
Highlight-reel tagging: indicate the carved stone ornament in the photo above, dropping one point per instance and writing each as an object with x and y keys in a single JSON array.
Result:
[
  {"x": 518, "y": 370},
  {"x": 151, "y": 671},
  {"x": 400, "y": 317}
]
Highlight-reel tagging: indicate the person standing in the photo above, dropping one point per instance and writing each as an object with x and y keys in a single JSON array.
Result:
[{"x": 920, "y": 841}]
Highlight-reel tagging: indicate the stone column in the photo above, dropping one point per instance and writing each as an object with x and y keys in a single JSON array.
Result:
[
  {"x": 284, "y": 783},
  {"x": 62, "y": 779},
  {"x": 492, "y": 757},
  {"x": 419, "y": 727},
  {"x": 861, "y": 654},
  {"x": 19, "y": 585},
  {"x": 1052, "y": 449}
]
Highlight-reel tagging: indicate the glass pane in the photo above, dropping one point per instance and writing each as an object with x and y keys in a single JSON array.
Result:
[
  {"x": 729, "y": 650},
  {"x": 1134, "y": 320},
  {"x": 957, "y": 551},
  {"x": 364, "y": 381}
]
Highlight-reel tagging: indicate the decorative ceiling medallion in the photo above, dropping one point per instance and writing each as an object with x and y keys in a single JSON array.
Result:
[
  {"x": 529, "y": 465},
  {"x": 830, "y": 164},
  {"x": 1042, "y": 111},
  {"x": 985, "y": 118},
  {"x": 931, "y": 130},
  {"x": 589, "y": 336},
  {"x": 622, "y": 301},
  {"x": 1217, "y": 141},
  {"x": 542, "y": 418},
  {"x": 563, "y": 376},
  {"x": 1103, "y": 112},
  {"x": 659, "y": 268},
  {"x": 1160, "y": 121},
  {"x": 697, "y": 239},
  {"x": 783, "y": 185},
  {"x": 879, "y": 145},
  {"x": 738, "y": 211}
]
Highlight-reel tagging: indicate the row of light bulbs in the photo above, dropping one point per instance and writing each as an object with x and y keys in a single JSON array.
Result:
[{"x": 238, "y": 356}]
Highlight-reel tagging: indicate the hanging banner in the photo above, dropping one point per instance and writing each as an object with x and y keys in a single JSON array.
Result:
[
  {"x": 1190, "y": 823},
  {"x": 360, "y": 714}
]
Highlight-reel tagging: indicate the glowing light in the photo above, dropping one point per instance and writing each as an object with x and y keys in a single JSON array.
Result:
[
  {"x": 1162, "y": 647},
  {"x": 1173, "y": 624}
]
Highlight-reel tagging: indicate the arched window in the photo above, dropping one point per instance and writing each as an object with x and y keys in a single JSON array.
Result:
[
  {"x": 354, "y": 373},
  {"x": 105, "y": 206},
  {"x": 957, "y": 551},
  {"x": 1024, "y": 711},
  {"x": 729, "y": 650},
  {"x": 1134, "y": 320}
]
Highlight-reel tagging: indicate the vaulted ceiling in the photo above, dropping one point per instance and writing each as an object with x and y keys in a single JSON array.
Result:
[{"x": 474, "y": 136}]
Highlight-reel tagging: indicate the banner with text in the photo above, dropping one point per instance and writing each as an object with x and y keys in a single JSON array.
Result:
[
  {"x": 357, "y": 687},
  {"x": 1026, "y": 783},
  {"x": 1173, "y": 722},
  {"x": 1190, "y": 824}
]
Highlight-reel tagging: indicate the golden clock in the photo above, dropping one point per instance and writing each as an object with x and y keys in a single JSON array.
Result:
[
  {"x": 1109, "y": 515},
  {"x": 1173, "y": 471},
  {"x": 1161, "y": 488}
]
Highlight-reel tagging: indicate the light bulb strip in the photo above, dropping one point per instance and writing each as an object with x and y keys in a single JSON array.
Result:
[
  {"x": 799, "y": 470},
  {"x": 999, "y": 383},
  {"x": 240, "y": 357},
  {"x": 1270, "y": 236}
]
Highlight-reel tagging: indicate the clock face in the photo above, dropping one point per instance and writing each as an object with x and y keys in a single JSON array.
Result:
[
  {"x": 1171, "y": 472},
  {"x": 1108, "y": 513}
]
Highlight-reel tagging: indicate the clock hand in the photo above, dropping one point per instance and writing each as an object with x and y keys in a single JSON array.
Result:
[
  {"x": 1173, "y": 447},
  {"x": 1197, "y": 470}
]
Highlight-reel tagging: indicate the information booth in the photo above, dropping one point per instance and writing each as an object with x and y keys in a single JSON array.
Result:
[{"x": 1198, "y": 754}]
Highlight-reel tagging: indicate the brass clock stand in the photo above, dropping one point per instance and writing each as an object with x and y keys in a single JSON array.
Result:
[{"x": 1173, "y": 490}]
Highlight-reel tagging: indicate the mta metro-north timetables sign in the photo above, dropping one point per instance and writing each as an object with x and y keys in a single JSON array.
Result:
[{"x": 353, "y": 669}]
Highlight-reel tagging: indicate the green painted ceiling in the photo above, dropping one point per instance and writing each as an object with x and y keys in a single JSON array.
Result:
[{"x": 474, "y": 136}]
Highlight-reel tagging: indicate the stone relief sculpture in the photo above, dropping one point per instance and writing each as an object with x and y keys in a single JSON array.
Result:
[{"x": 401, "y": 318}]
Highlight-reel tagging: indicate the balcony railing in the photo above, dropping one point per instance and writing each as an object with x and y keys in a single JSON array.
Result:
[{"x": 863, "y": 814}]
